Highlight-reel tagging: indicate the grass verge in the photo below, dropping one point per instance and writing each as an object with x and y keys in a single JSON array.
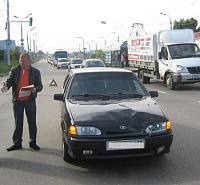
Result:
[{"x": 4, "y": 68}]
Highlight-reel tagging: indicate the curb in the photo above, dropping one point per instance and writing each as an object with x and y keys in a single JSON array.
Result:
[{"x": 4, "y": 74}]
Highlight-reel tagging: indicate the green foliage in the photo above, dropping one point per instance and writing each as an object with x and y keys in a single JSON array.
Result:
[
  {"x": 4, "y": 68},
  {"x": 187, "y": 24},
  {"x": 15, "y": 54}
]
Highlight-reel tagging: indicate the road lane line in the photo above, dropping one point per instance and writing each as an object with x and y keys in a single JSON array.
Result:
[{"x": 162, "y": 92}]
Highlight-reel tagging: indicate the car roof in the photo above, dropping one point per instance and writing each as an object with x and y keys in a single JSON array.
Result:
[
  {"x": 92, "y": 60},
  {"x": 76, "y": 59},
  {"x": 62, "y": 59},
  {"x": 98, "y": 70}
]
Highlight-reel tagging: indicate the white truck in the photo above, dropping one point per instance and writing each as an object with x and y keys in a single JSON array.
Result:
[{"x": 170, "y": 55}]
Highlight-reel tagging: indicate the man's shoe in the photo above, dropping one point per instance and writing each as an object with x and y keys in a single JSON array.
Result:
[
  {"x": 14, "y": 147},
  {"x": 35, "y": 147}
]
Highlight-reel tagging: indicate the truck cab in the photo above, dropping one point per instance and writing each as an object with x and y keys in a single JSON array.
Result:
[{"x": 170, "y": 55}]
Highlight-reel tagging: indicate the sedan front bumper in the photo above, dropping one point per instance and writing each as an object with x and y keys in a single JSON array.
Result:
[{"x": 87, "y": 148}]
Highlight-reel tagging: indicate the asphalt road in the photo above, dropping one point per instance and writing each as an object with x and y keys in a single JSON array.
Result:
[{"x": 46, "y": 167}]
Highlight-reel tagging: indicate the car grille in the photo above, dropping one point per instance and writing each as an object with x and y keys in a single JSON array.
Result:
[{"x": 194, "y": 70}]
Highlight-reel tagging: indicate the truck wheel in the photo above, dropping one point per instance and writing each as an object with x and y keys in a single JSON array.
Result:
[
  {"x": 169, "y": 82},
  {"x": 143, "y": 79}
]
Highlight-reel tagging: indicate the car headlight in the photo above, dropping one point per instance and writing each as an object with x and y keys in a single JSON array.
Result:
[
  {"x": 159, "y": 127},
  {"x": 181, "y": 68},
  {"x": 84, "y": 130}
]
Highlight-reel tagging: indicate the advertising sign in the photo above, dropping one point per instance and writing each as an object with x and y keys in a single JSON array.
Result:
[{"x": 141, "y": 48}]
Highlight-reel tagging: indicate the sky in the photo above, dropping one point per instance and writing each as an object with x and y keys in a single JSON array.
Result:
[{"x": 59, "y": 23}]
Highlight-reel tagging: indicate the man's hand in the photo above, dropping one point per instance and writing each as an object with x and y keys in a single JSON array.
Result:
[
  {"x": 4, "y": 87},
  {"x": 33, "y": 90}
]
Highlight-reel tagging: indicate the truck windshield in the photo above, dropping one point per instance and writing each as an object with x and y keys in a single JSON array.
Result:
[{"x": 184, "y": 51}]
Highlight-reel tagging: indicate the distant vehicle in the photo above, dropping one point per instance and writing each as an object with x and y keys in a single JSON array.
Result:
[
  {"x": 108, "y": 113},
  {"x": 59, "y": 54},
  {"x": 170, "y": 55},
  {"x": 50, "y": 61},
  {"x": 93, "y": 63},
  {"x": 62, "y": 63},
  {"x": 75, "y": 63}
]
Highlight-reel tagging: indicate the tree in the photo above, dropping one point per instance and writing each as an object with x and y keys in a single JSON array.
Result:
[
  {"x": 15, "y": 54},
  {"x": 187, "y": 24}
]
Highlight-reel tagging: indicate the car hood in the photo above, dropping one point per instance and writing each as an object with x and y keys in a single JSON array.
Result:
[
  {"x": 63, "y": 63},
  {"x": 117, "y": 116},
  {"x": 188, "y": 62}
]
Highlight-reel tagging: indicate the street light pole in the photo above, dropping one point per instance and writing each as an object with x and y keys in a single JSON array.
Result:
[
  {"x": 21, "y": 20},
  {"x": 96, "y": 48},
  {"x": 83, "y": 47},
  {"x": 28, "y": 39},
  {"x": 34, "y": 49},
  {"x": 105, "y": 40},
  {"x": 170, "y": 20},
  {"x": 117, "y": 35},
  {"x": 8, "y": 33}
]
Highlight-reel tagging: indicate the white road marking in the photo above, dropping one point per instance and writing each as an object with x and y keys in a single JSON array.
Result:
[{"x": 162, "y": 92}]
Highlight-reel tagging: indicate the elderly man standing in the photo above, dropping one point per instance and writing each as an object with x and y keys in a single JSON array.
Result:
[{"x": 27, "y": 78}]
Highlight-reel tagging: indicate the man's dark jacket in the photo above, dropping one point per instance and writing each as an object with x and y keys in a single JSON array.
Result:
[{"x": 34, "y": 79}]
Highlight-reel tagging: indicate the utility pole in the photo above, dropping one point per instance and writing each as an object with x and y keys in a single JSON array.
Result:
[
  {"x": 22, "y": 20},
  {"x": 8, "y": 42},
  {"x": 28, "y": 39},
  {"x": 169, "y": 19},
  {"x": 83, "y": 47}
]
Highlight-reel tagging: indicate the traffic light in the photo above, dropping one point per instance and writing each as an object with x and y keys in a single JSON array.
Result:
[{"x": 30, "y": 21}]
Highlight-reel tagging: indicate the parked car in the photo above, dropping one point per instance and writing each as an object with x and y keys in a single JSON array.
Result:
[
  {"x": 62, "y": 63},
  {"x": 108, "y": 113},
  {"x": 75, "y": 63},
  {"x": 93, "y": 63}
]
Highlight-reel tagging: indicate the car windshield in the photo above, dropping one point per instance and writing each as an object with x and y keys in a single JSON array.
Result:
[
  {"x": 184, "y": 51},
  {"x": 76, "y": 61},
  {"x": 94, "y": 63},
  {"x": 63, "y": 60},
  {"x": 113, "y": 84}
]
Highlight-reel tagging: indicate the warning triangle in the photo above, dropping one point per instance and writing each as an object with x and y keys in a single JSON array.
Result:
[{"x": 53, "y": 83}]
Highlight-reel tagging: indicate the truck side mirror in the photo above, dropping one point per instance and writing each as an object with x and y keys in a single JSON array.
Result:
[{"x": 159, "y": 55}]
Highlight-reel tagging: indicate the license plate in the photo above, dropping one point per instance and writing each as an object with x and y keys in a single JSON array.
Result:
[{"x": 125, "y": 144}]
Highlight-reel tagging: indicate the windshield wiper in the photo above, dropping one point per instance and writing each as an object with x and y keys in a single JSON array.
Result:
[
  {"x": 134, "y": 95},
  {"x": 92, "y": 95}
]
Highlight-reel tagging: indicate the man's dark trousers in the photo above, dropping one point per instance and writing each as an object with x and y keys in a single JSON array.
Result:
[{"x": 30, "y": 109}]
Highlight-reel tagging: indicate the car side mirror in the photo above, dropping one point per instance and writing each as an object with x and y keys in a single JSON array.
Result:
[
  {"x": 153, "y": 94},
  {"x": 59, "y": 97}
]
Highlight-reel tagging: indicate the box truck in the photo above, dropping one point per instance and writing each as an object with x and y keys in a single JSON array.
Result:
[{"x": 170, "y": 55}]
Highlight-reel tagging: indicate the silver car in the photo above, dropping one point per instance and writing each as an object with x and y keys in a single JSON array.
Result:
[
  {"x": 93, "y": 63},
  {"x": 62, "y": 63},
  {"x": 75, "y": 63}
]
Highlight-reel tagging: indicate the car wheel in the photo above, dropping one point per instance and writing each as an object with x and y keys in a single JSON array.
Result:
[
  {"x": 160, "y": 154},
  {"x": 169, "y": 82},
  {"x": 65, "y": 152}
]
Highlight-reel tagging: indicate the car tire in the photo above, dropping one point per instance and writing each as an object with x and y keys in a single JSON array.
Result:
[
  {"x": 169, "y": 82},
  {"x": 65, "y": 152},
  {"x": 160, "y": 154}
]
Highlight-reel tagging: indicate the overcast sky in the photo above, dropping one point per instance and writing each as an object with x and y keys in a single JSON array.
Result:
[{"x": 59, "y": 22}]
